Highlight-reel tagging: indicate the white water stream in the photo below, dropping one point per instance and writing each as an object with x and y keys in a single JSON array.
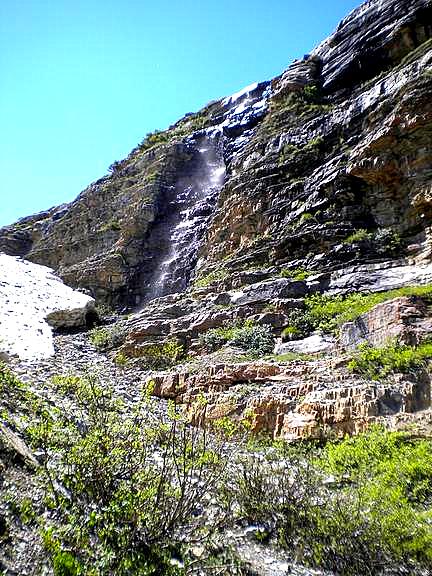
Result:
[{"x": 196, "y": 195}]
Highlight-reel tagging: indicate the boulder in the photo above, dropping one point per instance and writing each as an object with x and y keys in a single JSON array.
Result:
[
  {"x": 378, "y": 278},
  {"x": 309, "y": 345},
  {"x": 395, "y": 319},
  {"x": 269, "y": 290}
]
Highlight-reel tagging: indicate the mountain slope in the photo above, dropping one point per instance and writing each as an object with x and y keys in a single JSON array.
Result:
[{"x": 339, "y": 142}]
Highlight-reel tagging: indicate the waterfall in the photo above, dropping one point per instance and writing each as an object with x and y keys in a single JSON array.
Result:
[
  {"x": 196, "y": 194},
  {"x": 177, "y": 236}
]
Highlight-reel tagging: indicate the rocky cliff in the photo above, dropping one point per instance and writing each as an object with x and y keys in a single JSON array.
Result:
[
  {"x": 316, "y": 183},
  {"x": 279, "y": 174},
  {"x": 267, "y": 266}
]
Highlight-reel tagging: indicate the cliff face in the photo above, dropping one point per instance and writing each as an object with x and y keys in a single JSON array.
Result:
[{"x": 278, "y": 174}]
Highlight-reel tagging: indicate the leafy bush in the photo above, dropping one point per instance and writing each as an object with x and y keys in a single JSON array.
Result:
[
  {"x": 384, "y": 240},
  {"x": 128, "y": 489},
  {"x": 106, "y": 337},
  {"x": 257, "y": 340},
  {"x": 314, "y": 143},
  {"x": 371, "y": 515},
  {"x": 291, "y": 333},
  {"x": 253, "y": 338},
  {"x": 8, "y": 380},
  {"x": 112, "y": 225},
  {"x": 378, "y": 363},
  {"x": 387, "y": 241},
  {"x": 155, "y": 138},
  {"x": 299, "y": 322},
  {"x": 161, "y": 356},
  {"x": 295, "y": 274},
  {"x": 360, "y": 235}
]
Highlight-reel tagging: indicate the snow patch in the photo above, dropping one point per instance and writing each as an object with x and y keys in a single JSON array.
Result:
[{"x": 32, "y": 298}]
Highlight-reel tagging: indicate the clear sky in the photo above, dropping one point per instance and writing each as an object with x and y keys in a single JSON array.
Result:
[{"x": 83, "y": 81}]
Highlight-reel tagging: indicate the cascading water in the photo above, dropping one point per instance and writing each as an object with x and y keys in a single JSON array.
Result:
[
  {"x": 188, "y": 205},
  {"x": 196, "y": 194}
]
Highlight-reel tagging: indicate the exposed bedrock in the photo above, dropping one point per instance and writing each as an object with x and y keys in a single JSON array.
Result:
[
  {"x": 278, "y": 174},
  {"x": 317, "y": 182}
]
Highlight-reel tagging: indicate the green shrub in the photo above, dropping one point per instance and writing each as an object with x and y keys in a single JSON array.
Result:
[
  {"x": 124, "y": 486},
  {"x": 298, "y": 274},
  {"x": 161, "y": 356},
  {"x": 112, "y": 225},
  {"x": 387, "y": 241},
  {"x": 121, "y": 359},
  {"x": 8, "y": 381},
  {"x": 288, "y": 152},
  {"x": 378, "y": 363},
  {"x": 211, "y": 278},
  {"x": 372, "y": 514},
  {"x": 360, "y": 235},
  {"x": 328, "y": 313},
  {"x": 299, "y": 323},
  {"x": 384, "y": 240},
  {"x": 255, "y": 339},
  {"x": 291, "y": 332},
  {"x": 106, "y": 337},
  {"x": 314, "y": 143},
  {"x": 155, "y": 138}
]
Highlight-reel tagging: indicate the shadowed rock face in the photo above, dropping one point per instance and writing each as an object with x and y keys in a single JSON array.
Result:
[{"x": 340, "y": 141}]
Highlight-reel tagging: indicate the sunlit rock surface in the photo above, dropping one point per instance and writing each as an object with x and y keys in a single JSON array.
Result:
[{"x": 33, "y": 301}]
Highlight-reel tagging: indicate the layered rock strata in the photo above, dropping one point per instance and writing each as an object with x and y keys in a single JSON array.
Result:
[{"x": 340, "y": 142}]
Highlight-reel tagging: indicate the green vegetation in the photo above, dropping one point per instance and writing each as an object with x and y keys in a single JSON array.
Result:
[
  {"x": 291, "y": 356},
  {"x": 104, "y": 310},
  {"x": 328, "y": 313},
  {"x": 112, "y": 225},
  {"x": 314, "y": 143},
  {"x": 378, "y": 363},
  {"x": 106, "y": 338},
  {"x": 306, "y": 102},
  {"x": 255, "y": 339},
  {"x": 305, "y": 217},
  {"x": 383, "y": 240},
  {"x": 161, "y": 355},
  {"x": 8, "y": 381},
  {"x": 123, "y": 486},
  {"x": 291, "y": 332},
  {"x": 295, "y": 274},
  {"x": 357, "y": 507},
  {"x": 211, "y": 278},
  {"x": 126, "y": 490},
  {"x": 288, "y": 152},
  {"x": 155, "y": 138},
  {"x": 358, "y": 236},
  {"x": 121, "y": 359}
]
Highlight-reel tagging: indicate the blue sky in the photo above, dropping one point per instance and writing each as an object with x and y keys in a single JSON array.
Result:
[{"x": 83, "y": 81}]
